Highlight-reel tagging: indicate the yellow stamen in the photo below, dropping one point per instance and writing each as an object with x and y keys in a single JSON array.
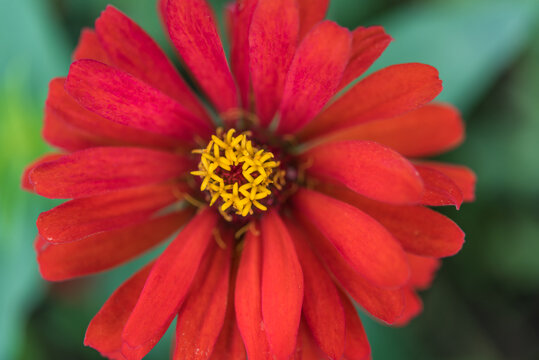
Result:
[
  {"x": 219, "y": 239},
  {"x": 193, "y": 201},
  {"x": 259, "y": 205},
  {"x": 228, "y": 152}
]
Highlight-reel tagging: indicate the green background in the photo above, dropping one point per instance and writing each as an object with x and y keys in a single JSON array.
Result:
[{"x": 485, "y": 302}]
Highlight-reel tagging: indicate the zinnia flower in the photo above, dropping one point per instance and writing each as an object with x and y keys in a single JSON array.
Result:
[{"x": 292, "y": 201}]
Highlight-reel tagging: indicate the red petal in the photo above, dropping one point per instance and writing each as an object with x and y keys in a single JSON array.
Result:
[
  {"x": 80, "y": 218},
  {"x": 427, "y": 131},
  {"x": 357, "y": 344},
  {"x": 368, "y": 44},
  {"x": 124, "y": 99},
  {"x": 461, "y": 175},
  {"x": 423, "y": 271},
  {"x": 89, "y": 47},
  {"x": 314, "y": 75},
  {"x": 240, "y": 15},
  {"x": 306, "y": 347},
  {"x": 368, "y": 168},
  {"x": 105, "y": 329},
  {"x": 282, "y": 287},
  {"x": 273, "y": 38},
  {"x": 322, "y": 307},
  {"x": 229, "y": 345},
  {"x": 193, "y": 31},
  {"x": 131, "y": 49},
  {"x": 389, "y": 92},
  {"x": 162, "y": 9},
  {"x": 364, "y": 243},
  {"x": 61, "y": 134},
  {"x": 386, "y": 305},
  {"x": 248, "y": 299},
  {"x": 72, "y": 127},
  {"x": 97, "y": 171},
  {"x": 420, "y": 230},
  {"x": 40, "y": 243},
  {"x": 202, "y": 315},
  {"x": 168, "y": 283},
  {"x": 440, "y": 190},
  {"x": 25, "y": 180},
  {"x": 311, "y": 12},
  {"x": 414, "y": 307},
  {"x": 106, "y": 250}
]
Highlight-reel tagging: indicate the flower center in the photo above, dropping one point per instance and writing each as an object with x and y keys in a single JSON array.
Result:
[{"x": 238, "y": 175}]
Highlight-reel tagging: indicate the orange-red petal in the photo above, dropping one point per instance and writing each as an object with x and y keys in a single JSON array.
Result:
[
  {"x": 99, "y": 170},
  {"x": 230, "y": 345},
  {"x": 103, "y": 251},
  {"x": 239, "y": 17},
  {"x": 389, "y": 92},
  {"x": 314, "y": 74},
  {"x": 365, "y": 244},
  {"x": 440, "y": 190},
  {"x": 25, "y": 179},
  {"x": 282, "y": 286},
  {"x": 248, "y": 299},
  {"x": 356, "y": 344},
  {"x": 386, "y": 305},
  {"x": 311, "y": 12},
  {"x": 70, "y": 126},
  {"x": 423, "y": 271},
  {"x": 122, "y": 98},
  {"x": 306, "y": 347},
  {"x": 168, "y": 285},
  {"x": 193, "y": 31},
  {"x": 273, "y": 38},
  {"x": 420, "y": 230},
  {"x": 202, "y": 315},
  {"x": 89, "y": 47},
  {"x": 61, "y": 134},
  {"x": 367, "y": 45},
  {"x": 322, "y": 308},
  {"x": 461, "y": 175},
  {"x": 430, "y": 130},
  {"x": 414, "y": 306},
  {"x": 105, "y": 329},
  {"x": 367, "y": 168},
  {"x": 131, "y": 49},
  {"x": 80, "y": 218}
]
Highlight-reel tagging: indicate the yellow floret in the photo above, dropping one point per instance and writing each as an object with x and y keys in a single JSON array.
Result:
[{"x": 227, "y": 150}]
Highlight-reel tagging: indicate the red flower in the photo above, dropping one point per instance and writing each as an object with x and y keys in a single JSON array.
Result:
[{"x": 302, "y": 202}]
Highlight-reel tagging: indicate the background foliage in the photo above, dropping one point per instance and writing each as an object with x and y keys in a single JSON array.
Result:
[{"x": 484, "y": 303}]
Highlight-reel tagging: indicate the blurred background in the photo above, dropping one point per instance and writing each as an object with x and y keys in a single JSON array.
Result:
[{"x": 485, "y": 302}]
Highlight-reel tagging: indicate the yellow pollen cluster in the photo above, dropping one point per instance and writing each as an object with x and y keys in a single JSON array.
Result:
[{"x": 226, "y": 153}]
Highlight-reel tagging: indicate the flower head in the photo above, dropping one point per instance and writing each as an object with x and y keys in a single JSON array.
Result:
[
  {"x": 237, "y": 174},
  {"x": 287, "y": 204}
]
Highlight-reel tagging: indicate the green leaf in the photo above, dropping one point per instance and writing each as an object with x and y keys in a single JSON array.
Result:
[
  {"x": 470, "y": 42},
  {"x": 30, "y": 37},
  {"x": 20, "y": 281}
]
